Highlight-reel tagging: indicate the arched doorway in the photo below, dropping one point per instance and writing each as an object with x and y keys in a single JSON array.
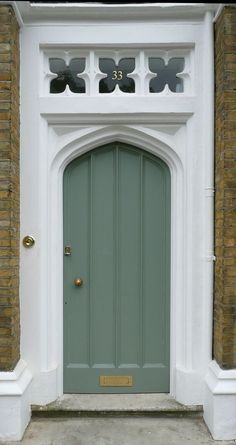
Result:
[{"x": 117, "y": 241}]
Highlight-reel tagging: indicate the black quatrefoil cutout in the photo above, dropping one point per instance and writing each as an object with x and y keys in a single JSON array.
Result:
[
  {"x": 67, "y": 75},
  {"x": 166, "y": 74},
  {"x": 117, "y": 75}
]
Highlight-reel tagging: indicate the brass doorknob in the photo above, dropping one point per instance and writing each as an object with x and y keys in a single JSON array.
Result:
[{"x": 78, "y": 282}]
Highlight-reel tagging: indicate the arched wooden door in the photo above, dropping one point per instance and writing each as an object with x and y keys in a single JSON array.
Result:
[{"x": 117, "y": 233}]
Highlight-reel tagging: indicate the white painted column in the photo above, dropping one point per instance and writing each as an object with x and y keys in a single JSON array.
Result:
[
  {"x": 15, "y": 409},
  {"x": 220, "y": 402}
]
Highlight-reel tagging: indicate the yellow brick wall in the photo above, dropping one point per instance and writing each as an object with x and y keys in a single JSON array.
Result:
[
  {"x": 225, "y": 198},
  {"x": 9, "y": 189}
]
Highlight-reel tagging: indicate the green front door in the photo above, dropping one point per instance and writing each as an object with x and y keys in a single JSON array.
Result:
[{"x": 117, "y": 229}]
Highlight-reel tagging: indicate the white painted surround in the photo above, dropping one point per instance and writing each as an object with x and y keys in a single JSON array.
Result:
[{"x": 179, "y": 129}]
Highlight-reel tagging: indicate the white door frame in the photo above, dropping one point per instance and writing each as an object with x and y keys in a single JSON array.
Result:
[{"x": 178, "y": 129}]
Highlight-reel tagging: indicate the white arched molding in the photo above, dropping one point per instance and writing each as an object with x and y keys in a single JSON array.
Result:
[
  {"x": 153, "y": 141},
  {"x": 62, "y": 141}
]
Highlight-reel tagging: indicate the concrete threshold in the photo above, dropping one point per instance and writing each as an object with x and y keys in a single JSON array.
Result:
[{"x": 120, "y": 405}]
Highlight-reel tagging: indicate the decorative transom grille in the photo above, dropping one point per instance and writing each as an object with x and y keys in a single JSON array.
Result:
[{"x": 145, "y": 72}]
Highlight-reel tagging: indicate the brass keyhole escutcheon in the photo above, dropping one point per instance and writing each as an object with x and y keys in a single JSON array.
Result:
[
  {"x": 28, "y": 241},
  {"x": 78, "y": 282}
]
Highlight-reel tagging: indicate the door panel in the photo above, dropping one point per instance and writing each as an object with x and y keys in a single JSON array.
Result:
[
  {"x": 102, "y": 259},
  {"x": 128, "y": 261},
  {"x": 117, "y": 222}
]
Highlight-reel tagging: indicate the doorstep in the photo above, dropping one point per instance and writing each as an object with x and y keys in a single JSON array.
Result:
[{"x": 94, "y": 405}]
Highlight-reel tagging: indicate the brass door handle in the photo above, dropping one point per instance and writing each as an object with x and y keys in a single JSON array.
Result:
[{"x": 78, "y": 282}]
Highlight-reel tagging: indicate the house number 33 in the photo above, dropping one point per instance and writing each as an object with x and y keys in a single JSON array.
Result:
[{"x": 117, "y": 75}]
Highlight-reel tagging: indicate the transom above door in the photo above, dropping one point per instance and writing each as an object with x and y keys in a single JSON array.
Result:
[
  {"x": 124, "y": 72},
  {"x": 116, "y": 272}
]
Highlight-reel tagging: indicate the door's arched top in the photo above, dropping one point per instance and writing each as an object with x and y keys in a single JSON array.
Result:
[
  {"x": 116, "y": 145},
  {"x": 154, "y": 142}
]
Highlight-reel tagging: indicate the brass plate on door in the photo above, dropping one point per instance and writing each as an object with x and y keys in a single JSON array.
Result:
[
  {"x": 116, "y": 380},
  {"x": 67, "y": 250}
]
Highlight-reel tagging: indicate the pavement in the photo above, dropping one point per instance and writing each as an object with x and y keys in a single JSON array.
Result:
[{"x": 118, "y": 431}]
